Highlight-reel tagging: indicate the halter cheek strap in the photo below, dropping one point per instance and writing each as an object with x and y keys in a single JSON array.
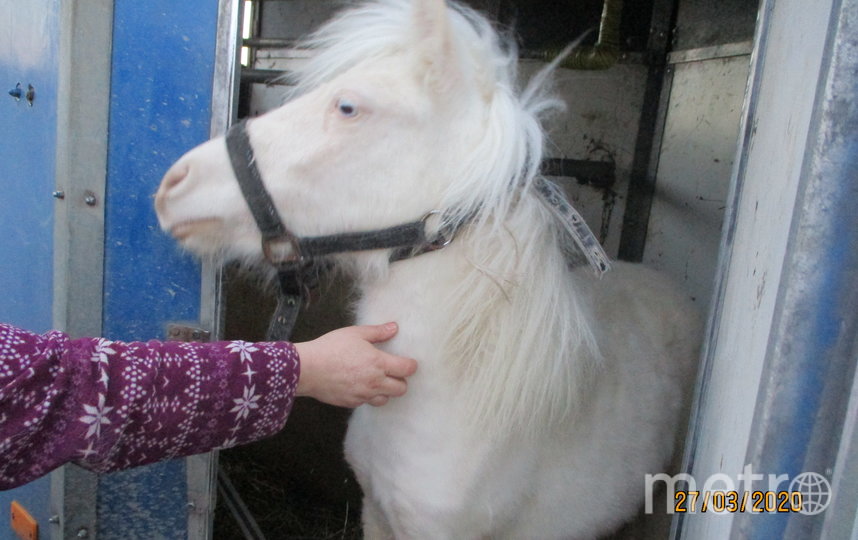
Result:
[{"x": 277, "y": 240}]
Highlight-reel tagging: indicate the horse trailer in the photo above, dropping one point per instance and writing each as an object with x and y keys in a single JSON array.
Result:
[{"x": 714, "y": 141}]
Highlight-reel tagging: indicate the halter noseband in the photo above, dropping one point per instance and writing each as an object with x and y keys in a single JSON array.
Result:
[{"x": 296, "y": 257}]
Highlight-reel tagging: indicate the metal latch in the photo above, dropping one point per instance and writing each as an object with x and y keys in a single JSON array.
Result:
[{"x": 182, "y": 331}]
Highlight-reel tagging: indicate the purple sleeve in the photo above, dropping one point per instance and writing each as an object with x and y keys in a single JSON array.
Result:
[{"x": 109, "y": 405}]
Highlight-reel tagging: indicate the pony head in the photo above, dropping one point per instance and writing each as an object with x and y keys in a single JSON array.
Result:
[{"x": 406, "y": 108}]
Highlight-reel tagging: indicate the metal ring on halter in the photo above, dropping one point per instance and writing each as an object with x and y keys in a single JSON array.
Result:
[
  {"x": 440, "y": 241},
  {"x": 282, "y": 250}
]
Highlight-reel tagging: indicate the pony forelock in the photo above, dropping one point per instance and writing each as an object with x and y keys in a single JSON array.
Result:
[{"x": 507, "y": 160}]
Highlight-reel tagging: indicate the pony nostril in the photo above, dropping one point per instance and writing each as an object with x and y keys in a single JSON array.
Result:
[{"x": 173, "y": 177}]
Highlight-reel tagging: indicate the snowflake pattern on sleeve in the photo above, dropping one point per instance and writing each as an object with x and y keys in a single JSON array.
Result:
[{"x": 111, "y": 405}]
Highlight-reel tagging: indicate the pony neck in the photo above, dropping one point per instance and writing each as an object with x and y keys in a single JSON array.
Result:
[{"x": 501, "y": 315}]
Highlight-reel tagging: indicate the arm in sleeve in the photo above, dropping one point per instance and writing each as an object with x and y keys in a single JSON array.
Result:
[{"x": 110, "y": 405}]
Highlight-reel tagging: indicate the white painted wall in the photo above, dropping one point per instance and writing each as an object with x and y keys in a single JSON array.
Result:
[
  {"x": 695, "y": 161},
  {"x": 600, "y": 124}
]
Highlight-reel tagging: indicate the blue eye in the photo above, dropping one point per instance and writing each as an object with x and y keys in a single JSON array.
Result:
[{"x": 347, "y": 108}]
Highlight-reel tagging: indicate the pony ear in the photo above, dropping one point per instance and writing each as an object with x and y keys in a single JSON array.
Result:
[{"x": 434, "y": 48}]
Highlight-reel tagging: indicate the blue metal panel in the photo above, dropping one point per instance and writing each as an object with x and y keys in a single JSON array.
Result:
[
  {"x": 27, "y": 162},
  {"x": 163, "y": 58},
  {"x": 160, "y": 107},
  {"x": 28, "y": 55}
]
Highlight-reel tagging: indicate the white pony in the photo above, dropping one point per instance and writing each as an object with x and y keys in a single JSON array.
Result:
[{"x": 544, "y": 395}]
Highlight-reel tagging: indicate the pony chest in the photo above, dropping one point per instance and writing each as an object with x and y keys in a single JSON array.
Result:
[{"x": 398, "y": 449}]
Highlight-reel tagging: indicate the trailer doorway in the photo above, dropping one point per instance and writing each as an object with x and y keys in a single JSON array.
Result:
[{"x": 644, "y": 151}]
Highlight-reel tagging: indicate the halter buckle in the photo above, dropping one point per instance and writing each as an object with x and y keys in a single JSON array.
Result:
[{"x": 282, "y": 250}]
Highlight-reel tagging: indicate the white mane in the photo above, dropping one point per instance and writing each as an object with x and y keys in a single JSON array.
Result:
[{"x": 501, "y": 324}]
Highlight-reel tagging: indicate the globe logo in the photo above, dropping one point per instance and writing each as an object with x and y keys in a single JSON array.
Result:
[{"x": 815, "y": 492}]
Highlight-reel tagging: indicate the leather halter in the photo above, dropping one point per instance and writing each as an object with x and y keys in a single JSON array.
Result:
[{"x": 297, "y": 258}]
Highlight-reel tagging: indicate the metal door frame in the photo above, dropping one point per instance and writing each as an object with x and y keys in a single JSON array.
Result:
[
  {"x": 779, "y": 360},
  {"x": 202, "y": 469}
]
